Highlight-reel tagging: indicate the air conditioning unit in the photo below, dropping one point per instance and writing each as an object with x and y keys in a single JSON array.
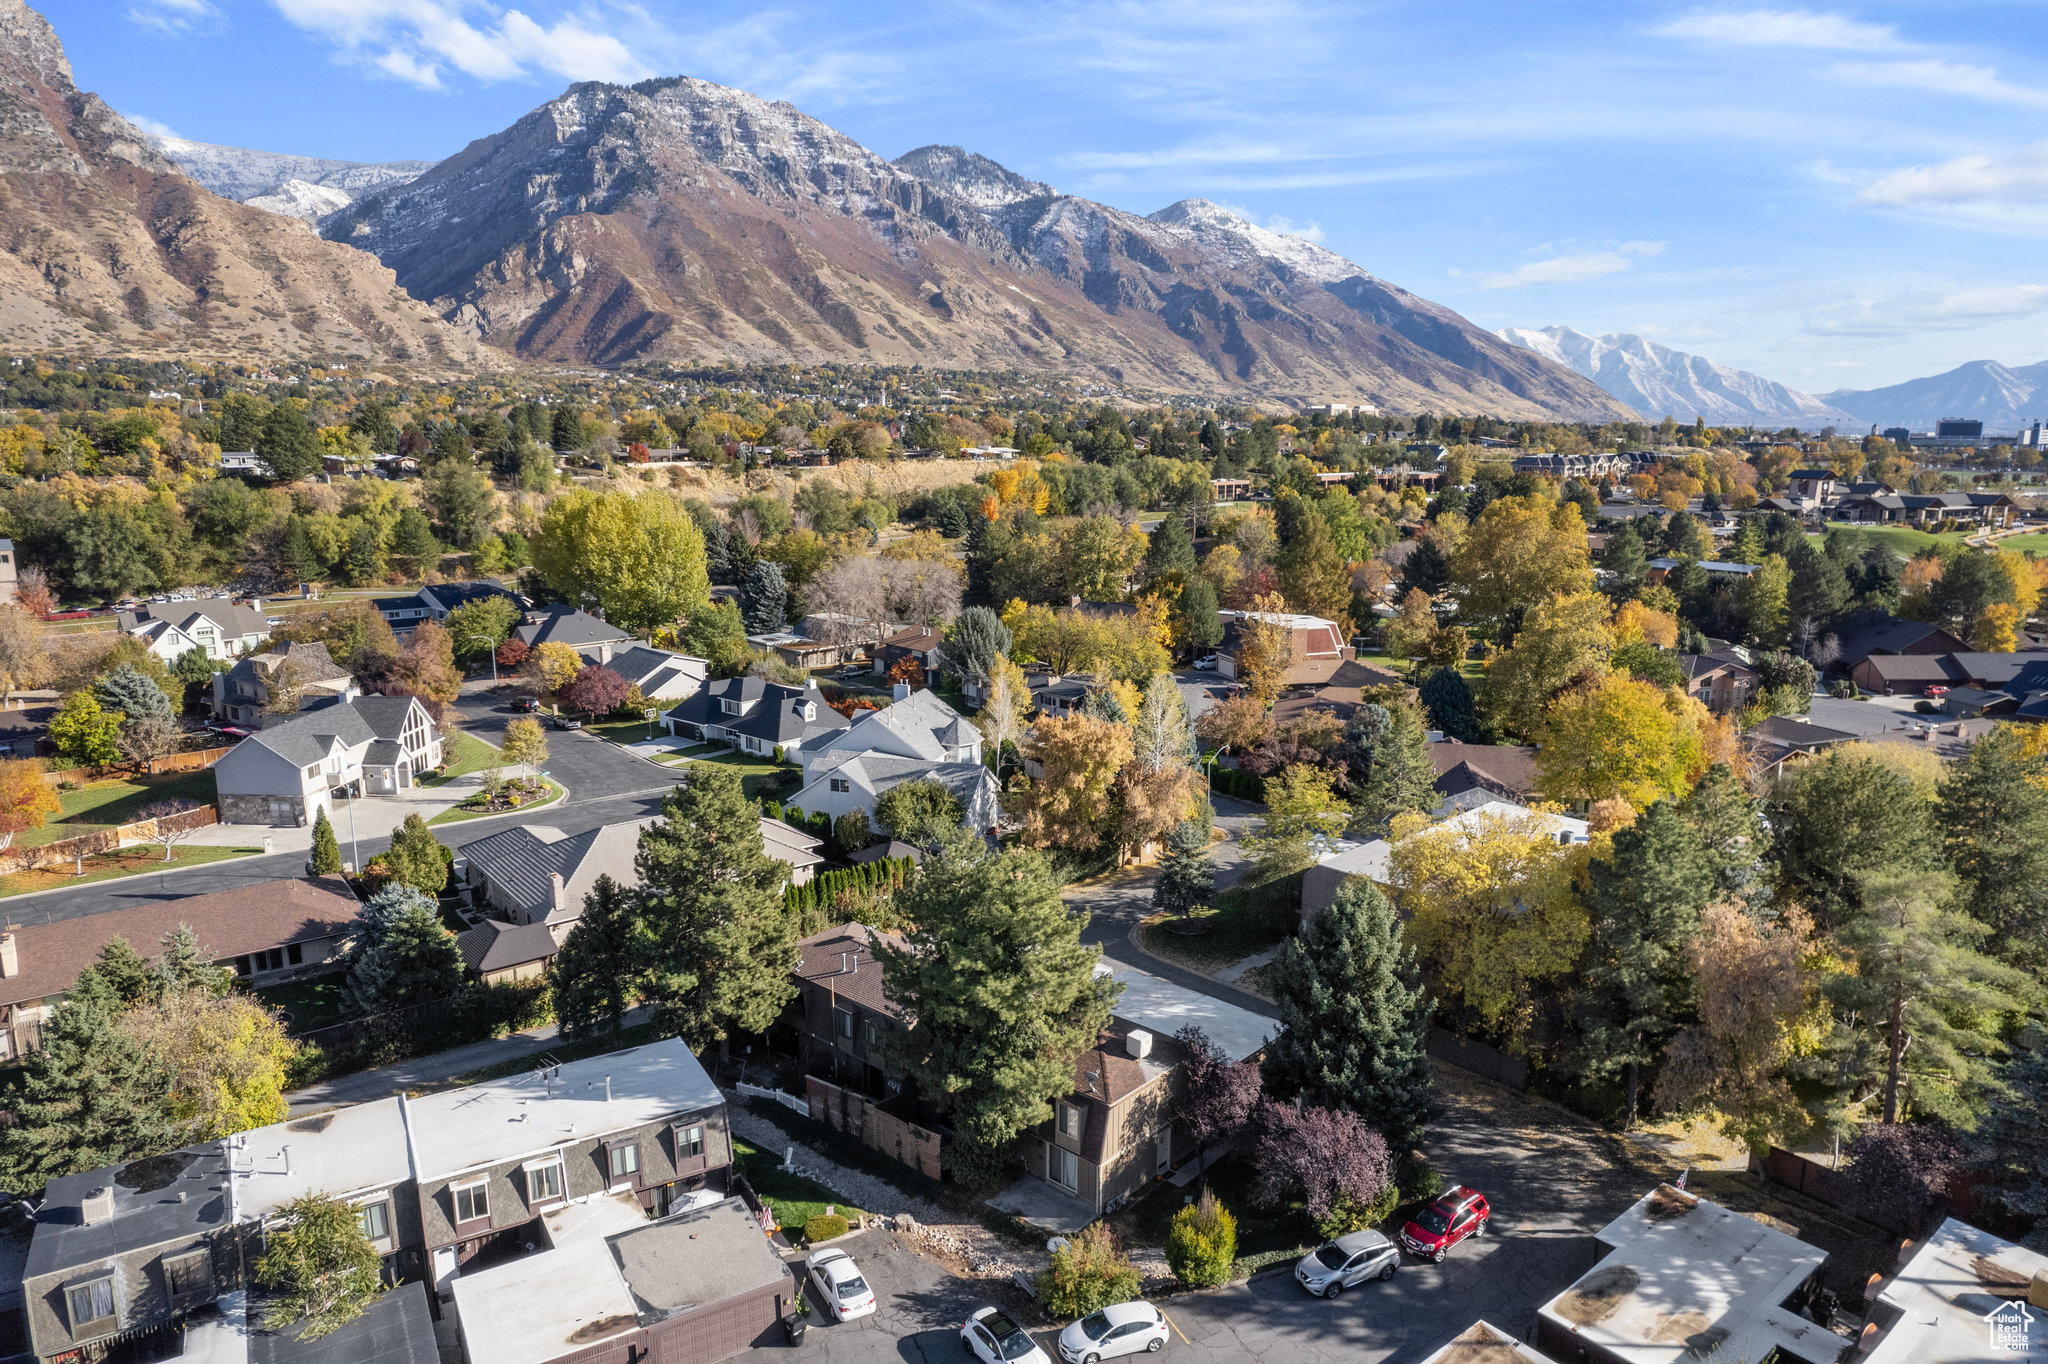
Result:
[{"x": 1139, "y": 1042}]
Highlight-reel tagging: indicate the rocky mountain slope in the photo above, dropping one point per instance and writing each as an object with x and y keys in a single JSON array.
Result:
[
  {"x": 1658, "y": 382},
  {"x": 304, "y": 187},
  {"x": 689, "y": 221},
  {"x": 2004, "y": 399},
  {"x": 106, "y": 246}
]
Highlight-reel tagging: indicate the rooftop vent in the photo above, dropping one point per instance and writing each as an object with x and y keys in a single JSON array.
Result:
[
  {"x": 1139, "y": 1042},
  {"x": 97, "y": 1206}
]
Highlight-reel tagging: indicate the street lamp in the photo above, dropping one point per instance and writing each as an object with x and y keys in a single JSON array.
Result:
[{"x": 494, "y": 653}]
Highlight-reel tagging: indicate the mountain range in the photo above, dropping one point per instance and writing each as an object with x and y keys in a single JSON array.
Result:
[
  {"x": 107, "y": 246},
  {"x": 308, "y": 188},
  {"x": 2005, "y": 399},
  {"x": 1658, "y": 381}
]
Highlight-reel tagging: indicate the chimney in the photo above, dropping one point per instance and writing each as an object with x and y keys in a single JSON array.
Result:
[
  {"x": 1139, "y": 1043},
  {"x": 97, "y": 1206},
  {"x": 560, "y": 891},
  {"x": 900, "y": 692},
  {"x": 10, "y": 956}
]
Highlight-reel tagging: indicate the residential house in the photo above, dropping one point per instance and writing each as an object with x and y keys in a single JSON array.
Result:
[
  {"x": 1780, "y": 737},
  {"x": 1926, "y": 509},
  {"x": 1972, "y": 703},
  {"x": 498, "y": 953},
  {"x": 917, "y": 724},
  {"x": 246, "y": 463},
  {"x": 434, "y": 601},
  {"x": 1115, "y": 1132},
  {"x": 757, "y": 716},
  {"x": 663, "y": 677},
  {"x": 117, "y": 1256},
  {"x": 923, "y": 645},
  {"x": 1230, "y": 489},
  {"x": 838, "y": 783},
  {"x": 800, "y": 651},
  {"x": 1878, "y": 632},
  {"x": 1660, "y": 569},
  {"x": 846, "y": 1027},
  {"x": 1812, "y": 486},
  {"x": 289, "y": 771},
  {"x": 855, "y": 635},
  {"x": 1722, "y": 681},
  {"x": 1913, "y": 674},
  {"x": 589, "y": 635},
  {"x": 1057, "y": 696},
  {"x": 242, "y": 695},
  {"x": 1676, "y": 1257},
  {"x": 1473, "y": 774},
  {"x": 536, "y": 874},
  {"x": 268, "y": 932},
  {"x": 1342, "y": 695},
  {"x": 357, "y": 1154},
  {"x": 1484, "y": 1343},
  {"x": 1959, "y": 1294},
  {"x": 1374, "y": 860},
  {"x": 490, "y": 1159},
  {"x": 396, "y": 1328},
  {"x": 793, "y": 847},
  {"x": 1319, "y": 647},
  {"x": 218, "y": 629}
]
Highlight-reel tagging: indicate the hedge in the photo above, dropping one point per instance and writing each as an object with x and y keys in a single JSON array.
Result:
[
  {"x": 824, "y": 1227},
  {"x": 1234, "y": 781},
  {"x": 822, "y": 890}
]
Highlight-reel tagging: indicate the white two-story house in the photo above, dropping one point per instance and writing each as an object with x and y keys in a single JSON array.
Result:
[
  {"x": 287, "y": 773},
  {"x": 916, "y": 725},
  {"x": 218, "y": 629},
  {"x": 757, "y": 716}
]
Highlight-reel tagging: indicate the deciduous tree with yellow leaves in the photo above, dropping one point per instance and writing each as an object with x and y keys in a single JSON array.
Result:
[
  {"x": 1565, "y": 640},
  {"x": 1620, "y": 738},
  {"x": 1073, "y": 804},
  {"x": 1519, "y": 553}
]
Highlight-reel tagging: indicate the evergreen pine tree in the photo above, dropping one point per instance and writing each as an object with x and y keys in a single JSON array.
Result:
[
  {"x": 1731, "y": 834},
  {"x": 1748, "y": 545},
  {"x": 1201, "y": 625},
  {"x": 127, "y": 689},
  {"x": 412, "y": 539},
  {"x": 1003, "y": 989},
  {"x": 326, "y": 859},
  {"x": 1170, "y": 556},
  {"x": 288, "y": 444},
  {"x": 1625, "y": 559},
  {"x": 1819, "y": 591},
  {"x": 1390, "y": 767},
  {"x": 1637, "y": 985},
  {"x": 184, "y": 964},
  {"x": 2013, "y": 1132},
  {"x": 712, "y": 898},
  {"x": 296, "y": 557},
  {"x": 1187, "y": 878},
  {"x": 1448, "y": 698},
  {"x": 764, "y": 599},
  {"x": 126, "y": 972},
  {"x": 1102, "y": 704},
  {"x": 417, "y": 858},
  {"x": 91, "y": 1096},
  {"x": 1427, "y": 569},
  {"x": 596, "y": 975},
  {"x": 413, "y": 961},
  {"x": 1354, "y": 1018},
  {"x": 1993, "y": 813}
]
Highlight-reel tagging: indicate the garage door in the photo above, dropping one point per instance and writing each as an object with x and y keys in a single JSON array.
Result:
[{"x": 719, "y": 1332}]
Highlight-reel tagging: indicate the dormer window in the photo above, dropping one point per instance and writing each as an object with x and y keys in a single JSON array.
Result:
[
  {"x": 91, "y": 1304},
  {"x": 810, "y": 710}
]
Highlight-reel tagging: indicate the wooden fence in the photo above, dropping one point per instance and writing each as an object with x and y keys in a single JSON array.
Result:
[
  {"x": 192, "y": 760},
  {"x": 1816, "y": 1181},
  {"x": 1480, "y": 1059},
  {"x": 104, "y": 840},
  {"x": 917, "y": 1147}
]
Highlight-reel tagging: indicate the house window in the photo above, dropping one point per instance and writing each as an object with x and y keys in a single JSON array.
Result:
[
  {"x": 1070, "y": 1121},
  {"x": 842, "y": 1023},
  {"x": 625, "y": 1160},
  {"x": 689, "y": 1142},
  {"x": 189, "y": 1275},
  {"x": 473, "y": 1202},
  {"x": 91, "y": 1303},
  {"x": 375, "y": 1220},
  {"x": 294, "y": 954},
  {"x": 242, "y": 966},
  {"x": 544, "y": 1180},
  {"x": 874, "y": 1034},
  {"x": 841, "y": 784}
]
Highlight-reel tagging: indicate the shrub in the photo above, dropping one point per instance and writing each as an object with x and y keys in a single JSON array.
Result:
[
  {"x": 1926, "y": 708},
  {"x": 1348, "y": 1214},
  {"x": 1088, "y": 1273},
  {"x": 1201, "y": 1245},
  {"x": 1421, "y": 1181},
  {"x": 824, "y": 1227}
]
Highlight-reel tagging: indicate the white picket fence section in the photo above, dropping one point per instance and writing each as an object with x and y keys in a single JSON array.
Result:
[{"x": 795, "y": 1102}]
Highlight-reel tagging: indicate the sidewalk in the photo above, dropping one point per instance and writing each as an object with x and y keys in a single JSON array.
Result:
[{"x": 373, "y": 817}]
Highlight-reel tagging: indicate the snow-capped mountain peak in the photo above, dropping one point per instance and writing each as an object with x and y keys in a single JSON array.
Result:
[
  {"x": 1659, "y": 382},
  {"x": 1217, "y": 227}
]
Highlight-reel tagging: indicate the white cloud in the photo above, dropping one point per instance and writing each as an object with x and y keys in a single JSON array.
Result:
[
  {"x": 1287, "y": 227},
  {"x": 1909, "y": 312},
  {"x": 1571, "y": 268},
  {"x": 151, "y": 126},
  {"x": 2002, "y": 193},
  {"x": 1941, "y": 78},
  {"x": 172, "y": 16},
  {"x": 416, "y": 41},
  {"x": 1784, "y": 28}
]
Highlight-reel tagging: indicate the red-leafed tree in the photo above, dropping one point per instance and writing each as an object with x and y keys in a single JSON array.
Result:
[
  {"x": 1220, "y": 1093},
  {"x": 512, "y": 653},
  {"x": 1329, "y": 1159},
  {"x": 597, "y": 690}
]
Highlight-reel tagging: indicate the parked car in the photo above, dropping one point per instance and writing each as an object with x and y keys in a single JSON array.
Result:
[
  {"x": 1937, "y": 691},
  {"x": 526, "y": 705},
  {"x": 853, "y": 670},
  {"x": 1127, "y": 1328},
  {"x": 567, "y": 722},
  {"x": 991, "y": 1337},
  {"x": 1206, "y": 663},
  {"x": 1457, "y": 1214},
  {"x": 842, "y": 1292},
  {"x": 1334, "y": 1266}
]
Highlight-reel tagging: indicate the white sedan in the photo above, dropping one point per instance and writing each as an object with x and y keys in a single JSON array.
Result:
[
  {"x": 1128, "y": 1328},
  {"x": 1206, "y": 663},
  {"x": 842, "y": 1291},
  {"x": 993, "y": 1338}
]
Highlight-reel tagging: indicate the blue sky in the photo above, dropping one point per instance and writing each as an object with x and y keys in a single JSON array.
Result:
[{"x": 1832, "y": 197}]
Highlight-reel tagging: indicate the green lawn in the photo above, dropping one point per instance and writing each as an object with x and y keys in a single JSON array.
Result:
[
  {"x": 631, "y": 731},
  {"x": 794, "y": 1199},
  {"x": 118, "y": 800},
  {"x": 137, "y": 861},
  {"x": 2028, "y": 544},
  {"x": 1903, "y": 540},
  {"x": 465, "y": 754},
  {"x": 762, "y": 779},
  {"x": 1241, "y": 923},
  {"x": 313, "y": 1002},
  {"x": 458, "y": 814}
]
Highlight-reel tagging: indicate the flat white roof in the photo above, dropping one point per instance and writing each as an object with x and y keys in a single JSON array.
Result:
[
  {"x": 1165, "y": 1008},
  {"x": 541, "y": 1307},
  {"x": 1484, "y": 1343},
  {"x": 340, "y": 1152},
  {"x": 463, "y": 1129},
  {"x": 1687, "y": 1273},
  {"x": 1374, "y": 860},
  {"x": 1945, "y": 1295},
  {"x": 593, "y": 1218}
]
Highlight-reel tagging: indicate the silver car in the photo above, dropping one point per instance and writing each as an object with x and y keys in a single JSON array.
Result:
[
  {"x": 1127, "y": 1328},
  {"x": 1330, "y": 1268}
]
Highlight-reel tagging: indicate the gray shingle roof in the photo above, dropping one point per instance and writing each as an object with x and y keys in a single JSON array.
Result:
[
  {"x": 577, "y": 629},
  {"x": 495, "y": 946}
]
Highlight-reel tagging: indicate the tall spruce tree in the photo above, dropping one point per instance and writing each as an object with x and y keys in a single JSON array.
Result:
[
  {"x": 1354, "y": 1018},
  {"x": 1427, "y": 569},
  {"x": 764, "y": 598},
  {"x": 1170, "y": 555},
  {"x": 1003, "y": 990},
  {"x": 1448, "y": 698},
  {"x": 126, "y": 972},
  {"x": 1391, "y": 772},
  {"x": 91, "y": 1096},
  {"x": 597, "y": 974},
  {"x": 1626, "y": 562},
  {"x": 186, "y": 964},
  {"x": 1637, "y": 986},
  {"x": 129, "y": 690},
  {"x": 1837, "y": 821},
  {"x": 1732, "y": 834},
  {"x": 2015, "y": 1132},
  {"x": 723, "y": 951},
  {"x": 1187, "y": 878},
  {"x": 413, "y": 961},
  {"x": 326, "y": 859},
  {"x": 1993, "y": 814}
]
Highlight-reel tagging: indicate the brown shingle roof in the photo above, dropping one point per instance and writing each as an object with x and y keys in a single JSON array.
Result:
[
  {"x": 842, "y": 960},
  {"x": 229, "y": 923},
  {"x": 1507, "y": 769}
]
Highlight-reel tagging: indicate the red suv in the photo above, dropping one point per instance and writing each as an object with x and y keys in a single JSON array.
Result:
[{"x": 1431, "y": 1233}]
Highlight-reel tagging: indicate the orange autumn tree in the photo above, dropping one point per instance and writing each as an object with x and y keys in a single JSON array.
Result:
[
  {"x": 26, "y": 800},
  {"x": 1074, "y": 804}
]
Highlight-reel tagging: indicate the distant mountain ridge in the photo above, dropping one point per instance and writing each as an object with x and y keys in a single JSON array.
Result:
[
  {"x": 686, "y": 220},
  {"x": 305, "y": 187},
  {"x": 1658, "y": 381},
  {"x": 2004, "y": 399}
]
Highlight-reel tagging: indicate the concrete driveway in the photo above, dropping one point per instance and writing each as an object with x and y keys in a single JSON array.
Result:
[{"x": 919, "y": 1311}]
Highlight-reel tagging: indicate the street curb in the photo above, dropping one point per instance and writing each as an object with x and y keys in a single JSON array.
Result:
[
  {"x": 561, "y": 798},
  {"x": 110, "y": 880}
]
